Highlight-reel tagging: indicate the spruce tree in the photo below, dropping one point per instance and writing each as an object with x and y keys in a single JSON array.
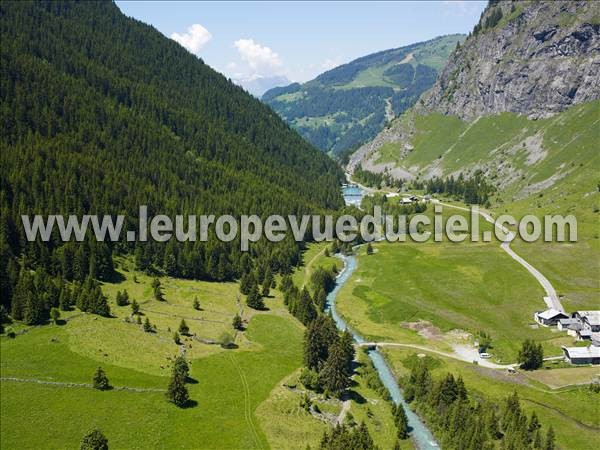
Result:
[
  {"x": 334, "y": 377},
  {"x": 135, "y": 307},
  {"x": 401, "y": 422},
  {"x": 147, "y": 325},
  {"x": 237, "y": 322},
  {"x": 183, "y": 328},
  {"x": 100, "y": 380},
  {"x": 94, "y": 440},
  {"x": 181, "y": 367},
  {"x": 347, "y": 344},
  {"x": 54, "y": 314},
  {"x": 254, "y": 299},
  {"x": 549, "y": 443},
  {"x": 177, "y": 392}
]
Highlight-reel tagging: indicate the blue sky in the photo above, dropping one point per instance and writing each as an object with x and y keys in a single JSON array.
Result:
[{"x": 299, "y": 39}]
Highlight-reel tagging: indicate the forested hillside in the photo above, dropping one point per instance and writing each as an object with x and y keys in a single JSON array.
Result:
[
  {"x": 102, "y": 113},
  {"x": 349, "y": 104}
]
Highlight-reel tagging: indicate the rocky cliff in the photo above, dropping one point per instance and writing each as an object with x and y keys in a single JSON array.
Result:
[
  {"x": 532, "y": 58},
  {"x": 535, "y": 58}
]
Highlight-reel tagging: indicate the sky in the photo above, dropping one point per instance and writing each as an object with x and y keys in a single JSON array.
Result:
[{"x": 299, "y": 40}]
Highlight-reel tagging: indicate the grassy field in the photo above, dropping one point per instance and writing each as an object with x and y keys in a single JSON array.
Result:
[
  {"x": 242, "y": 398},
  {"x": 469, "y": 286},
  {"x": 572, "y": 411},
  {"x": 231, "y": 384},
  {"x": 541, "y": 167}
]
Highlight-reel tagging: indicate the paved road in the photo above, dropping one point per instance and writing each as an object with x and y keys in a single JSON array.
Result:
[{"x": 551, "y": 298}]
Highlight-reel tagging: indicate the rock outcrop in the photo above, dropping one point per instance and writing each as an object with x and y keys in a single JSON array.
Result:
[{"x": 535, "y": 58}]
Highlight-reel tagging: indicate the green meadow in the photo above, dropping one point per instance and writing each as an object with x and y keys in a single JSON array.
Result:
[
  {"x": 247, "y": 397},
  {"x": 229, "y": 384}
]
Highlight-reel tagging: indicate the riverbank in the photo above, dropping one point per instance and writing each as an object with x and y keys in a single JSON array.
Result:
[{"x": 420, "y": 434}]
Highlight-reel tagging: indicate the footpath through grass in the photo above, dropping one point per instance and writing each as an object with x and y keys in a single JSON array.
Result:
[{"x": 229, "y": 384}]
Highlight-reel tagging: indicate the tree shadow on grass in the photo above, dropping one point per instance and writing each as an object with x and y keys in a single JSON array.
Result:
[
  {"x": 115, "y": 277},
  {"x": 189, "y": 404},
  {"x": 355, "y": 396},
  {"x": 190, "y": 380}
]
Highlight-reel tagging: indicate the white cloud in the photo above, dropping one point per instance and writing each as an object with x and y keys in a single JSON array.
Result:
[
  {"x": 464, "y": 8},
  {"x": 196, "y": 37},
  {"x": 231, "y": 65},
  {"x": 260, "y": 58},
  {"x": 330, "y": 63}
]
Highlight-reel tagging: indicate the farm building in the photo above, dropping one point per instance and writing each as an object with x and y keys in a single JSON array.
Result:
[
  {"x": 590, "y": 320},
  {"x": 582, "y": 355},
  {"x": 571, "y": 326},
  {"x": 549, "y": 317},
  {"x": 568, "y": 324},
  {"x": 584, "y": 335}
]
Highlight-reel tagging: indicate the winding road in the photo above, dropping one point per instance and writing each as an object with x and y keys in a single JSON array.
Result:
[{"x": 551, "y": 298}]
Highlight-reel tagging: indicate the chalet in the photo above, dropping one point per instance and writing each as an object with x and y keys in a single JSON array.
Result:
[
  {"x": 549, "y": 317},
  {"x": 408, "y": 200},
  {"x": 582, "y": 355},
  {"x": 590, "y": 320}
]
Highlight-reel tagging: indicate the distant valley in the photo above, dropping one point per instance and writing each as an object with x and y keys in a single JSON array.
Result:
[{"x": 350, "y": 104}]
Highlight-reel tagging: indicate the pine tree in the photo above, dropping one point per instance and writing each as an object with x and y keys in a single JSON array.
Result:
[
  {"x": 94, "y": 440},
  {"x": 181, "y": 367},
  {"x": 254, "y": 299},
  {"x": 196, "y": 304},
  {"x": 176, "y": 338},
  {"x": 147, "y": 325},
  {"x": 531, "y": 355},
  {"x": 305, "y": 309},
  {"x": 537, "y": 441},
  {"x": 318, "y": 336},
  {"x": 100, "y": 380},
  {"x": 177, "y": 392},
  {"x": 549, "y": 442},
  {"x": 54, "y": 314},
  {"x": 237, "y": 322},
  {"x": 158, "y": 293},
  {"x": 333, "y": 377},
  {"x": 267, "y": 282},
  {"x": 183, "y": 328},
  {"x": 401, "y": 422},
  {"x": 347, "y": 345},
  {"x": 135, "y": 307}
]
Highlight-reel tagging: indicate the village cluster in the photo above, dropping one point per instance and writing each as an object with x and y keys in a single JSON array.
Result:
[{"x": 584, "y": 326}]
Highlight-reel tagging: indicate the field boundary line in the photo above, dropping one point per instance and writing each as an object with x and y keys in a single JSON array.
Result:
[{"x": 78, "y": 385}]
